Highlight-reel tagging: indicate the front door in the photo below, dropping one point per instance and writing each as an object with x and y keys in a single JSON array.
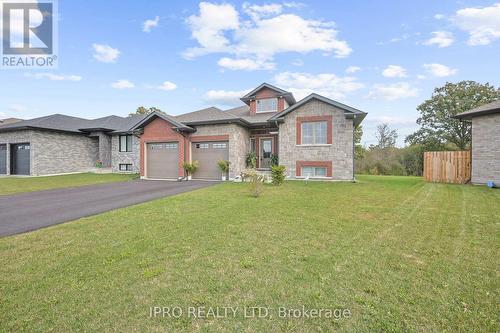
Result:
[{"x": 266, "y": 150}]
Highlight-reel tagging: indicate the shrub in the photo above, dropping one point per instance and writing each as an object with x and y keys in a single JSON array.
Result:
[
  {"x": 274, "y": 160},
  {"x": 255, "y": 182},
  {"x": 190, "y": 168},
  {"x": 251, "y": 160},
  {"x": 278, "y": 174}
]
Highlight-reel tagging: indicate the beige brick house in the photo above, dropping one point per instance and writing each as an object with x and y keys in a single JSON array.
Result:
[{"x": 312, "y": 138}]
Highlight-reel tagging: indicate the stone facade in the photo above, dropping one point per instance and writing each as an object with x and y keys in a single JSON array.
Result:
[
  {"x": 486, "y": 149},
  {"x": 118, "y": 157},
  {"x": 239, "y": 142},
  {"x": 339, "y": 152},
  {"x": 54, "y": 152}
]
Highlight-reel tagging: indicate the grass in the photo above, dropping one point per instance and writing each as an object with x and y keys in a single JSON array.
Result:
[
  {"x": 12, "y": 185},
  {"x": 400, "y": 254}
]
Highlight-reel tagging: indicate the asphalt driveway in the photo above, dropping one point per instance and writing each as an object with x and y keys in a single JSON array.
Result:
[{"x": 34, "y": 210}]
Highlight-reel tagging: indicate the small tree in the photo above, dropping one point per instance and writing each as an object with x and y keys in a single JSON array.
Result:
[
  {"x": 224, "y": 167},
  {"x": 278, "y": 174},
  {"x": 386, "y": 136},
  {"x": 190, "y": 168},
  {"x": 143, "y": 110},
  {"x": 255, "y": 181}
]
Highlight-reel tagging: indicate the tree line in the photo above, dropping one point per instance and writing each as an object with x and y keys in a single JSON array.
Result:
[{"x": 438, "y": 131}]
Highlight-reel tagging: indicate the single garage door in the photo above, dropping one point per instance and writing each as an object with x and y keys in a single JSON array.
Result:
[
  {"x": 162, "y": 160},
  {"x": 20, "y": 159},
  {"x": 207, "y": 154},
  {"x": 3, "y": 159}
]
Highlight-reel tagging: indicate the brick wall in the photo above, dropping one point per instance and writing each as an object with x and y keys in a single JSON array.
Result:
[
  {"x": 486, "y": 149},
  {"x": 339, "y": 152},
  {"x": 159, "y": 130},
  {"x": 54, "y": 152},
  {"x": 267, "y": 93}
]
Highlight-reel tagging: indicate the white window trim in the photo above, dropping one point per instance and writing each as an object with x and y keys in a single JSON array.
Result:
[
  {"x": 313, "y": 144},
  {"x": 267, "y": 111}
]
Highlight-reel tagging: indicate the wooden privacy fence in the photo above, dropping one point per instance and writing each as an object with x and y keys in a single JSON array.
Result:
[{"x": 447, "y": 166}]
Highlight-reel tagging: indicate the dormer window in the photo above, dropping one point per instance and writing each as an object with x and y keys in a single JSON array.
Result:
[{"x": 267, "y": 105}]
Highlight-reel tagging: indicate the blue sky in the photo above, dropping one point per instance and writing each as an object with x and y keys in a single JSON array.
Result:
[{"x": 383, "y": 57}]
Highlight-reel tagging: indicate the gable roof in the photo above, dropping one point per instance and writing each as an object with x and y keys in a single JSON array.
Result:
[
  {"x": 63, "y": 123},
  {"x": 286, "y": 94},
  {"x": 153, "y": 115},
  {"x": 349, "y": 111},
  {"x": 206, "y": 115},
  {"x": 490, "y": 108}
]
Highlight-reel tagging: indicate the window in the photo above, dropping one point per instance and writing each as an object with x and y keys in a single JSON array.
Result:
[
  {"x": 219, "y": 145},
  {"x": 171, "y": 145},
  {"x": 314, "y": 133},
  {"x": 202, "y": 145},
  {"x": 313, "y": 172},
  {"x": 125, "y": 143},
  {"x": 125, "y": 167},
  {"x": 267, "y": 105}
]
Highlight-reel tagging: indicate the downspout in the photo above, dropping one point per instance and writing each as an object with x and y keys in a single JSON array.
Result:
[{"x": 353, "y": 151}]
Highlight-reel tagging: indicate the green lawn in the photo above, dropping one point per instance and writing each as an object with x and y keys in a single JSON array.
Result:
[
  {"x": 11, "y": 185},
  {"x": 402, "y": 255}
]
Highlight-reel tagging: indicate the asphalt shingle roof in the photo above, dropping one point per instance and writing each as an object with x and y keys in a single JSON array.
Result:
[
  {"x": 493, "y": 107},
  {"x": 60, "y": 122}
]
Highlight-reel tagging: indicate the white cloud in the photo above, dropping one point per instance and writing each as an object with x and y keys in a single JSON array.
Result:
[
  {"x": 167, "y": 85},
  {"x": 394, "y": 71},
  {"x": 421, "y": 77},
  {"x": 391, "y": 92},
  {"x": 439, "y": 16},
  {"x": 440, "y": 70},
  {"x": 55, "y": 77},
  {"x": 256, "y": 12},
  {"x": 298, "y": 62},
  {"x": 352, "y": 69},
  {"x": 122, "y": 84},
  {"x": 329, "y": 85},
  {"x": 440, "y": 38},
  {"x": 149, "y": 24},
  {"x": 218, "y": 29},
  {"x": 244, "y": 64},
  {"x": 209, "y": 26},
  {"x": 105, "y": 53},
  {"x": 482, "y": 24},
  {"x": 224, "y": 97}
]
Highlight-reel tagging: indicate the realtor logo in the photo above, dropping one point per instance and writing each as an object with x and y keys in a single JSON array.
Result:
[{"x": 28, "y": 34}]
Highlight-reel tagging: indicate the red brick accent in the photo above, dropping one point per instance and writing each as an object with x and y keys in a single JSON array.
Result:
[
  {"x": 253, "y": 107},
  {"x": 324, "y": 164},
  {"x": 201, "y": 138},
  {"x": 159, "y": 130},
  {"x": 281, "y": 104},
  {"x": 328, "y": 119}
]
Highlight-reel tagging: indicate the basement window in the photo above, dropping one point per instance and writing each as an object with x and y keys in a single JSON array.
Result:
[
  {"x": 125, "y": 167},
  {"x": 313, "y": 172}
]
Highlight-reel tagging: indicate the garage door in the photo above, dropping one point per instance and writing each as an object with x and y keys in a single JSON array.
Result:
[
  {"x": 207, "y": 154},
  {"x": 20, "y": 159},
  {"x": 162, "y": 160},
  {"x": 3, "y": 159}
]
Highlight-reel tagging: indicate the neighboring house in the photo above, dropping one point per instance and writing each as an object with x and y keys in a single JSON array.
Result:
[
  {"x": 9, "y": 121},
  {"x": 311, "y": 138},
  {"x": 485, "y": 142}
]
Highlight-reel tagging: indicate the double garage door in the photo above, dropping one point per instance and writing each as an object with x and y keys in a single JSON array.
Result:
[
  {"x": 163, "y": 159},
  {"x": 19, "y": 159},
  {"x": 207, "y": 154}
]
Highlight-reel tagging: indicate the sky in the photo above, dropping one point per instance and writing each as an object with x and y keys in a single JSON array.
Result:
[{"x": 382, "y": 57}]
